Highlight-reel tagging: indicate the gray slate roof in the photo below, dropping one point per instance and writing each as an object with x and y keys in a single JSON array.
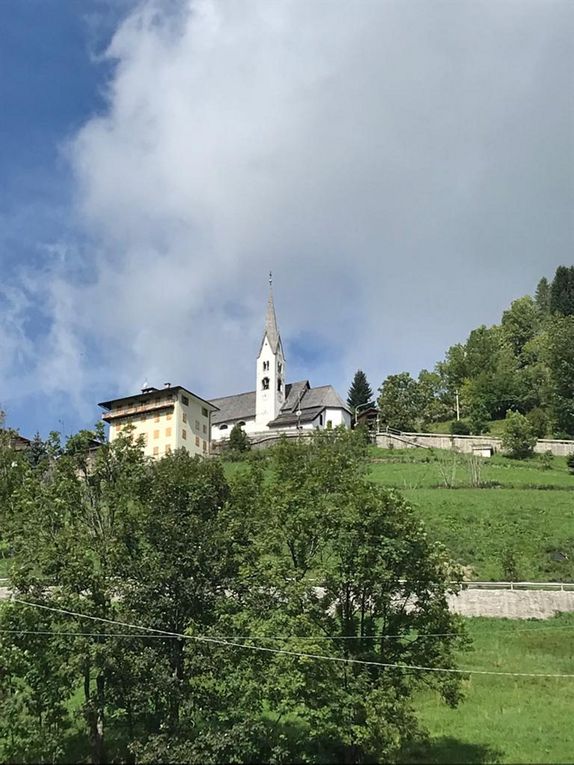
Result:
[{"x": 311, "y": 402}]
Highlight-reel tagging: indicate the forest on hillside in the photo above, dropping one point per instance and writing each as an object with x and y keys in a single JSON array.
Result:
[{"x": 523, "y": 364}]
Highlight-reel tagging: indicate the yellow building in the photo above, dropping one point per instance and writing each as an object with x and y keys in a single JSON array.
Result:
[{"x": 169, "y": 418}]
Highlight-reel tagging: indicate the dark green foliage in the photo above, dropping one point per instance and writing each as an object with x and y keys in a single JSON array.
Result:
[
  {"x": 360, "y": 392},
  {"x": 518, "y": 439},
  {"x": 542, "y": 296},
  {"x": 399, "y": 402},
  {"x": 538, "y": 421},
  {"x": 570, "y": 462},
  {"x": 562, "y": 291},
  {"x": 172, "y": 545},
  {"x": 560, "y": 360},
  {"x": 459, "y": 428},
  {"x": 238, "y": 439},
  {"x": 478, "y": 419}
]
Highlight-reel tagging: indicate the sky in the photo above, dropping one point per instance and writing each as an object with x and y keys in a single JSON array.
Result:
[{"x": 404, "y": 168}]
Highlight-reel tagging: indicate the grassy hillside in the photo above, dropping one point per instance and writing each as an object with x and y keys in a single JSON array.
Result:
[
  {"x": 507, "y": 719},
  {"x": 523, "y": 518},
  {"x": 520, "y": 524}
]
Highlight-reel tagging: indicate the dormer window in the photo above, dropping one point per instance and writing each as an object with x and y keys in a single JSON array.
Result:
[
  {"x": 265, "y": 383},
  {"x": 266, "y": 366}
]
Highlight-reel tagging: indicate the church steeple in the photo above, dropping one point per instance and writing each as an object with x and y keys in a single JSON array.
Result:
[
  {"x": 271, "y": 331},
  {"x": 270, "y": 391}
]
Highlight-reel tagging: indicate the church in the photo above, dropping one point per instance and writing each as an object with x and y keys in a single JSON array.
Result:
[{"x": 276, "y": 405}]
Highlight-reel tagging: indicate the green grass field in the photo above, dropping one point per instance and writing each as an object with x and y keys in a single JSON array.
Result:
[
  {"x": 525, "y": 510},
  {"x": 507, "y": 719}
]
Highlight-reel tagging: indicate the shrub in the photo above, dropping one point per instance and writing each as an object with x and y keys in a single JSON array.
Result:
[
  {"x": 539, "y": 422},
  {"x": 478, "y": 419},
  {"x": 459, "y": 428},
  {"x": 238, "y": 439},
  {"x": 518, "y": 439},
  {"x": 570, "y": 462}
]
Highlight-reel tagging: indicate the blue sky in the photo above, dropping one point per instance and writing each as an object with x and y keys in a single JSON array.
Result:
[{"x": 405, "y": 169}]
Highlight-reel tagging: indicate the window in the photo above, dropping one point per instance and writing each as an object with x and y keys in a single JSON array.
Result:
[
  {"x": 157, "y": 418},
  {"x": 184, "y": 434},
  {"x": 320, "y": 419},
  {"x": 185, "y": 400},
  {"x": 197, "y": 424},
  {"x": 266, "y": 366},
  {"x": 204, "y": 411},
  {"x": 155, "y": 451},
  {"x": 156, "y": 434},
  {"x": 205, "y": 446},
  {"x": 280, "y": 367},
  {"x": 167, "y": 449},
  {"x": 184, "y": 417},
  {"x": 223, "y": 427},
  {"x": 265, "y": 383},
  {"x": 197, "y": 440},
  {"x": 167, "y": 432},
  {"x": 241, "y": 423},
  {"x": 168, "y": 416},
  {"x": 205, "y": 428},
  {"x": 279, "y": 385}
]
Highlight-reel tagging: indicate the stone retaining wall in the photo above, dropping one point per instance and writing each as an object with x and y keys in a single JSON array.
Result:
[{"x": 465, "y": 444}]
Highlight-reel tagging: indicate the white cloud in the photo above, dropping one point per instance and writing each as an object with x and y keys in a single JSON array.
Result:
[{"x": 395, "y": 164}]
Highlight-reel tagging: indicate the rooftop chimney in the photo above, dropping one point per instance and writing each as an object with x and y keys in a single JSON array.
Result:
[{"x": 167, "y": 385}]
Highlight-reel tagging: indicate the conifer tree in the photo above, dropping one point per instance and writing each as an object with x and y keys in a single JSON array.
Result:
[
  {"x": 360, "y": 391},
  {"x": 542, "y": 296},
  {"x": 562, "y": 291}
]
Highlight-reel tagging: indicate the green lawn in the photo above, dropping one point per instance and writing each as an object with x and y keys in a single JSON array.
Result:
[{"x": 507, "y": 719}]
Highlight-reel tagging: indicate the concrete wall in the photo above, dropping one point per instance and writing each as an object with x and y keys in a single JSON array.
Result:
[{"x": 465, "y": 444}]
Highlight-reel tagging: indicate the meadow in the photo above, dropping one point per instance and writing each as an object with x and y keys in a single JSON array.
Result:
[
  {"x": 518, "y": 523},
  {"x": 506, "y": 719}
]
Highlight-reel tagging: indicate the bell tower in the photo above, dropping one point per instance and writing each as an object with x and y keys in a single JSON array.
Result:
[{"x": 270, "y": 382}]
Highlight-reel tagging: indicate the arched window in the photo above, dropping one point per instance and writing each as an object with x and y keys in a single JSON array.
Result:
[
  {"x": 266, "y": 366},
  {"x": 223, "y": 427},
  {"x": 280, "y": 367},
  {"x": 265, "y": 383},
  {"x": 279, "y": 384},
  {"x": 241, "y": 424}
]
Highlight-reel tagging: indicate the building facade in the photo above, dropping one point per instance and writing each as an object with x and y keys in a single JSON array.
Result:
[
  {"x": 169, "y": 418},
  {"x": 275, "y": 405}
]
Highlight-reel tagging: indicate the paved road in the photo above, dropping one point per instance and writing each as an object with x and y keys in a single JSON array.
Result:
[{"x": 512, "y": 604}]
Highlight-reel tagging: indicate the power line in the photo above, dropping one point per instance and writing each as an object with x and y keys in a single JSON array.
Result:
[{"x": 295, "y": 654}]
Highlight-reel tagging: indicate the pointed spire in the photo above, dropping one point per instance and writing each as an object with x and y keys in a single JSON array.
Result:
[{"x": 271, "y": 319}]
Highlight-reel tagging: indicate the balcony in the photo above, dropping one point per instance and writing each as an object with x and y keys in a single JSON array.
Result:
[{"x": 138, "y": 409}]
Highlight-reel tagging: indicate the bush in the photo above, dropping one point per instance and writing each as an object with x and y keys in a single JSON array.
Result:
[
  {"x": 238, "y": 440},
  {"x": 539, "y": 422},
  {"x": 570, "y": 462},
  {"x": 459, "y": 428},
  {"x": 518, "y": 439}
]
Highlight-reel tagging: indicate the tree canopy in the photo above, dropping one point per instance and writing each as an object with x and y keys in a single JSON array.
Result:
[
  {"x": 360, "y": 392},
  {"x": 212, "y": 601}
]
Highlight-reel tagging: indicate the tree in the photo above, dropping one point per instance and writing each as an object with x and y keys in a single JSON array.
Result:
[
  {"x": 518, "y": 439},
  {"x": 238, "y": 439},
  {"x": 398, "y": 402},
  {"x": 360, "y": 392},
  {"x": 559, "y": 357},
  {"x": 520, "y": 323},
  {"x": 562, "y": 291},
  {"x": 542, "y": 296},
  {"x": 311, "y": 552}
]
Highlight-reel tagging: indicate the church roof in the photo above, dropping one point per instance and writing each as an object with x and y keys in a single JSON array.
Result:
[
  {"x": 238, "y": 407},
  {"x": 299, "y": 396}
]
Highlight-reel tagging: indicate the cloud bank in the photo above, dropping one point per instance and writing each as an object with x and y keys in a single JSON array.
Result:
[{"x": 404, "y": 169}]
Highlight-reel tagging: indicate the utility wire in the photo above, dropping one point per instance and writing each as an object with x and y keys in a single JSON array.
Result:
[{"x": 296, "y": 654}]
